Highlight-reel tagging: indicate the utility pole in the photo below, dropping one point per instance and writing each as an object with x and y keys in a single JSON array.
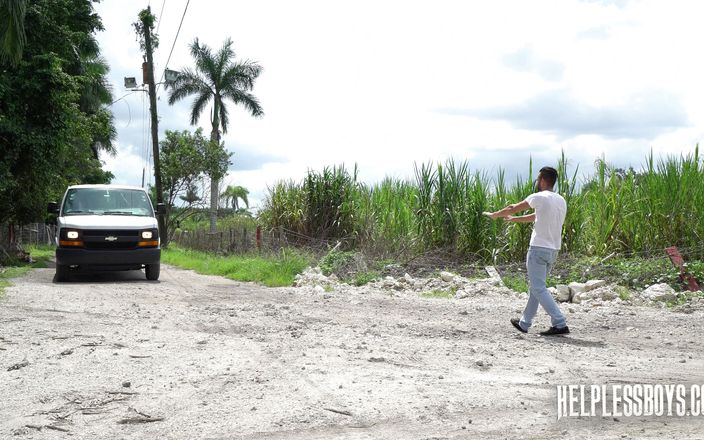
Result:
[{"x": 145, "y": 27}]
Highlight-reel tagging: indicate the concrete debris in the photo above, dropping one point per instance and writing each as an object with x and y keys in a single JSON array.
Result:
[
  {"x": 659, "y": 292},
  {"x": 494, "y": 275},
  {"x": 576, "y": 288},
  {"x": 447, "y": 277},
  {"x": 563, "y": 293},
  {"x": 591, "y": 292},
  {"x": 594, "y": 284}
]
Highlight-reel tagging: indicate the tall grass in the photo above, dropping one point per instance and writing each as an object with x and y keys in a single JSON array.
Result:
[{"x": 612, "y": 210}]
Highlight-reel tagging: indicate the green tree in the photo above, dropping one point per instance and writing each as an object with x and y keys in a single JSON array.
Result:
[
  {"x": 45, "y": 134},
  {"x": 217, "y": 77},
  {"x": 12, "y": 33},
  {"x": 191, "y": 196},
  {"x": 185, "y": 159}
]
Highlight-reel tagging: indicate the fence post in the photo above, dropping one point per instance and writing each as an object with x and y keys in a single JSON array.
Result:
[{"x": 258, "y": 238}]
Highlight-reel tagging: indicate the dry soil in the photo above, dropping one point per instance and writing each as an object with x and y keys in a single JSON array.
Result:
[{"x": 193, "y": 356}]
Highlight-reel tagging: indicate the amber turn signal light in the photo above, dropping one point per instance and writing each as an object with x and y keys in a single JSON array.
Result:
[{"x": 70, "y": 243}]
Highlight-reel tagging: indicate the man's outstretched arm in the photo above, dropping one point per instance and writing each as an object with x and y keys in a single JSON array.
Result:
[
  {"x": 509, "y": 210},
  {"x": 529, "y": 218}
]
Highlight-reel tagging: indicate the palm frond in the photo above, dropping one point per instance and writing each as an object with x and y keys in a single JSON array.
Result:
[
  {"x": 187, "y": 83},
  {"x": 242, "y": 74},
  {"x": 224, "y": 119},
  {"x": 223, "y": 59},
  {"x": 96, "y": 90},
  {"x": 246, "y": 99},
  {"x": 199, "y": 104},
  {"x": 205, "y": 61},
  {"x": 12, "y": 32}
]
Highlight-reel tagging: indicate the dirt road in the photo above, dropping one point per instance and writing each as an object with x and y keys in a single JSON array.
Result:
[{"x": 192, "y": 356}]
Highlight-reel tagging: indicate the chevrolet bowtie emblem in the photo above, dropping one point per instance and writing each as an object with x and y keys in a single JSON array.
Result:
[{"x": 110, "y": 238}]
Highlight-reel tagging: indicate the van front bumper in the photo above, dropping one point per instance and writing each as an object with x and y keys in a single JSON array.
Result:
[{"x": 107, "y": 258}]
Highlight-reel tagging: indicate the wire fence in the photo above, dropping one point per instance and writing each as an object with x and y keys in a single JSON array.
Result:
[
  {"x": 33, "y": 234},
  {"x": 245, "y": 240}
]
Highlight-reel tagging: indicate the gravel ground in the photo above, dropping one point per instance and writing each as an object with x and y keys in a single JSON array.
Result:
[{"x": 192, "y": 356}]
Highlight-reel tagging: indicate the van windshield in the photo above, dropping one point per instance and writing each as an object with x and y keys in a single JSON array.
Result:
[{"x": 107, "y": 201}]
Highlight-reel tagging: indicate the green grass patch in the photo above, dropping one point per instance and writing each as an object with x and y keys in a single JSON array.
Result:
[
  {"x": 41, "y": 254},
  {"x": 623, "y": 292},
  {"x": 334, "y": 261},
  {"x": 362, "y": 278},
  {"x": 439, "y": 293},
  {"x": 270, "y": 270},
  {"x": 6, "y": 273},
  {"x": 13, "y": 269},
  {"x": 683, "y": 298},
  {"x": 516, "y": 283}
]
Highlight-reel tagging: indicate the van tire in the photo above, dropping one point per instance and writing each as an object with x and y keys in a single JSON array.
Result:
[
  {"x": 152, "y": 271},
  {"x": 61, "y": 273}
]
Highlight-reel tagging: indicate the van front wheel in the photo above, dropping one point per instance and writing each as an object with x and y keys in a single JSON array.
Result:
[
  {"x": 152, "y": 271},
  {"x": 61, "y": 273}
]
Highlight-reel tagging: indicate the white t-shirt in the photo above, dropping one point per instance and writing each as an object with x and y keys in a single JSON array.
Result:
[{"x": 550, "y": 210}]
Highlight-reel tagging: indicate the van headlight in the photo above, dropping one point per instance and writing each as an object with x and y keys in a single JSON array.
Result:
[
  {"x": 147, "y": 235},
  {"x": 72, "y": 235}
]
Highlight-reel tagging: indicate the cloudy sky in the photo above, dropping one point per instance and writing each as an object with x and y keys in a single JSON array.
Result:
[{"x": 386, "y": 84}]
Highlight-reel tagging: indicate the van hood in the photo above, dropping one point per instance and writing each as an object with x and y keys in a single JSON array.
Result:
[{"x": 107, "y": 222}]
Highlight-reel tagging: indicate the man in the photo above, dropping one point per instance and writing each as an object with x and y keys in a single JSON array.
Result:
[{"x": 549, "y": 216}]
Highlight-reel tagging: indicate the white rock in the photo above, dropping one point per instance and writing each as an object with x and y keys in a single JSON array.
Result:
[
  {"x": 447, "y": 276},
  {"x": 659, "y": 292},
  {"x": 607, "y": 294},
  {"x": 594, "y": 284},
  {"x": 319, "y": 289},
  {"x": 577, "y": 297},
  {"x": 409, "y": 279},
  {"x": 563, "y": 292},
  {"x": 577, "y": 287},
  {"x": 461, "y": 294}
]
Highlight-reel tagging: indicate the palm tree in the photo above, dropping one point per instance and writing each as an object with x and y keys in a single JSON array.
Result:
[
  {"x": 191, "y": 196},
  {"x": 226, "y": 196},
  {"x": 96, "y": 95},
  {"x": 217, "y": 77},
  {"x": 12, "y": 33},
  {"x": 234, "y": 194}
]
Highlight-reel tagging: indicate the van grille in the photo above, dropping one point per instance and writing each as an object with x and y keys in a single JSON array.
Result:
[
  {"x": 104, "y": 245},
  {"x": 107, "y": 232}
]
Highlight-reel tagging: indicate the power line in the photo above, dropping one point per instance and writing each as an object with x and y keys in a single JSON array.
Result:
[
  {"x": 160, "y": 14},
  {"x": 174, "y": 43}
]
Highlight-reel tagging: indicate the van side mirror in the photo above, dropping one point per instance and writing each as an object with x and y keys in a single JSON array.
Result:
[
  {"x": 52, "y": 208},
  {"x": 160, "y": 209}
]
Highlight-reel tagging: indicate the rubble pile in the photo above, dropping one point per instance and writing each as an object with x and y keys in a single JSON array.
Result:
[{"x": 591, "y": 292}]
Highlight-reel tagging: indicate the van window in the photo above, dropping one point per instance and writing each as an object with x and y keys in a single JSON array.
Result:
[{"x": 107, "y": 201}]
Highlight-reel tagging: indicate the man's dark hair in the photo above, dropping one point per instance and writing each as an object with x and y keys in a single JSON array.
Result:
[{"x": 549, "y": 174}]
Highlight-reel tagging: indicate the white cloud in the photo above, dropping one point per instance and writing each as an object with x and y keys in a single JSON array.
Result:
[
  {"x": 526, "y": 60},
  {"x": 127, "y": 166}
]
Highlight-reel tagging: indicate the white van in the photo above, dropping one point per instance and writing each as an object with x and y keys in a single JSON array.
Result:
[{"x": 106, "y": 227}]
